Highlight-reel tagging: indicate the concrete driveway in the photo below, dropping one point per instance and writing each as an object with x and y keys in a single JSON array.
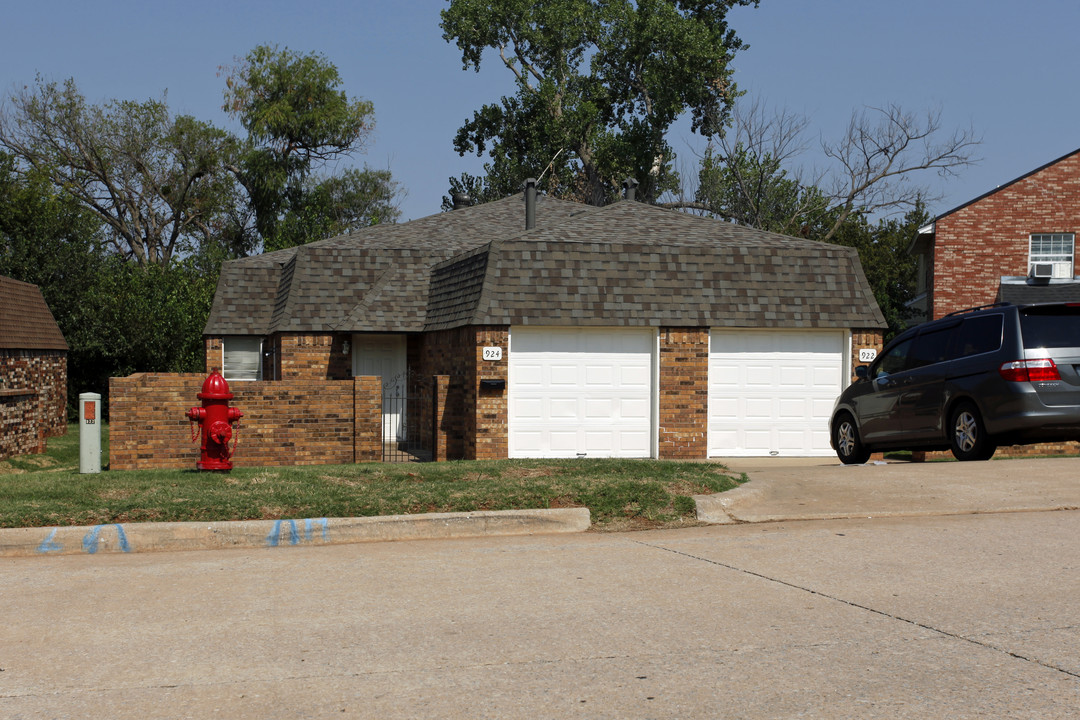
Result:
[{"x": 820, "y": 488}]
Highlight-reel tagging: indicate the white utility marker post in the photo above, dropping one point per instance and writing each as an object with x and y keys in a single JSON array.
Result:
[{"x": 89, "y": 433}]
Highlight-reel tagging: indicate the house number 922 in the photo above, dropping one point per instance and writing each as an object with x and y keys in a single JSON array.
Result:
[
  {"x": 493, "y": 353},
  {"x": 867, "y": 354}
]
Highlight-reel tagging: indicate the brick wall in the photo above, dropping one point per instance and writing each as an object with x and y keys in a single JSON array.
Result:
[
  {"x": 472, "y": 422},
  {"x": 295, "y": 356},
  {"x": 684, "y": 393},
  {"x": 33, "y": 399},
  {"x": 319, "y": 357},
  {"x": 213, "y": 354},
  {"x": 976, "y": 245},
  {"x": 287, "y": 422}
]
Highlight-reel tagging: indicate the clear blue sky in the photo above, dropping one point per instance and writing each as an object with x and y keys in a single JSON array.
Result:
[{"x": 1010, "y": 69}]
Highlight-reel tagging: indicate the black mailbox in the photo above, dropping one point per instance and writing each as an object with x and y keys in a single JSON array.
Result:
[{"x": 492, "y": 384}]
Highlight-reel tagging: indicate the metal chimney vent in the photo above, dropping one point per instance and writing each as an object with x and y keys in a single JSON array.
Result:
[
  {"x": 530, "y": 203},
  {"x": 461, "y": 200}
]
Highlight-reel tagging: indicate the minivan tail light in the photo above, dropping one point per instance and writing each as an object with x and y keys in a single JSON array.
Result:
[{"x": 1042, "y": 370}]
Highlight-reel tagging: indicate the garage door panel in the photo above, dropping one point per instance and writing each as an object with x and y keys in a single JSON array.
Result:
[
  {"x": 595, "y": 391},
  {"x": 759, "y": 375},
  {"x": 563, "y": 375},
  {"x": 772, "y": 392},
  {"x": 562, "y": 442},
  {"x": 562, "y": 408},
  {"x": 793, "y": 409},
  {"x": 756, "y": 408},
  {"x": 599, "y": 409},
  {"x": 528, "y": 408},
  {"x": 599, "y": 376},
  {"x": 636, "y": 409},
  {"x": 639, "y": 376},
  {"x": 793, "y": 376}
]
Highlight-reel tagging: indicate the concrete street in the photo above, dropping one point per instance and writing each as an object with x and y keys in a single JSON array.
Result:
[{"x": 919, "y": 616}]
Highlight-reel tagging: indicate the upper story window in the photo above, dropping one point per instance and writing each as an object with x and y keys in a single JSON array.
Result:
[
  {"x": 1055, "y": 250},
  {"x": 241, "y": 358}
]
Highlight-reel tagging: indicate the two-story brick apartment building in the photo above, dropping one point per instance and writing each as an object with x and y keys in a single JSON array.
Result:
[{"x": 1016, "y": 243}]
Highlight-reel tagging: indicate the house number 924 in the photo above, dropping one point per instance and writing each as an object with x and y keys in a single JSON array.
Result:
[{"x": 493, "y": 353}]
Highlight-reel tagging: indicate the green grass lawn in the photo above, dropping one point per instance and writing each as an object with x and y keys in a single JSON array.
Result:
[{"x": 47, "y": 490}]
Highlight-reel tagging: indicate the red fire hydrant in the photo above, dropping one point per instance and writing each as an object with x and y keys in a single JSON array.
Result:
[{"x": 216, "y": 418}]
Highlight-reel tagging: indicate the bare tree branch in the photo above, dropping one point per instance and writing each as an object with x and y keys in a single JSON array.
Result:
[{"x": 874, "y": 167}]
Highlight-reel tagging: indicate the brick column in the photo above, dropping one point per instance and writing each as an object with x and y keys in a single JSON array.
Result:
[
  {"x": 367, "y": 419},
  {"x": 440, "y": 395},
  {"x": 684, "y": 393}
]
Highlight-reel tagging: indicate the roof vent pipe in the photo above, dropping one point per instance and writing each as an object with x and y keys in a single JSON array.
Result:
[
  {"x": 630, "y": 189},
  {"x": 530, "y": 203}
]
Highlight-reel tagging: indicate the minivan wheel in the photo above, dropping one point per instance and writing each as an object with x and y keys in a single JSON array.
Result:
[
  {"x": 849, "y": 447},
  {"x": 969, "y": 438}
]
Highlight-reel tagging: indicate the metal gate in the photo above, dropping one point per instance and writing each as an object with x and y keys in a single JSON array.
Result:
[{"x": 404, "y": 397}]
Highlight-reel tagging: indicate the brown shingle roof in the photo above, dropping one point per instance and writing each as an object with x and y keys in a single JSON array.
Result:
[
  {"x": 25, "y": 320},
  {"x": 375, "y": 278},
  {"x": 632, "y": 264},
  {"x": 624, "y": 264}
]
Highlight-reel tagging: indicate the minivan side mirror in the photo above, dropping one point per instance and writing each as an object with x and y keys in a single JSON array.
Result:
[{"x": 862, "y": 372}]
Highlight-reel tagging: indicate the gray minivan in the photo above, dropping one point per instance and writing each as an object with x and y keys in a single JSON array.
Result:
[{"x": 994, "y": 375}]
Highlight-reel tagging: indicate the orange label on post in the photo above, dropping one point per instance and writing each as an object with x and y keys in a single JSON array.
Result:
[{"x": 88, "y": 411}]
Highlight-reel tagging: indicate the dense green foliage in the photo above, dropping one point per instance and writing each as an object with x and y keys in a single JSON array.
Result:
[
  {"x": 298, "y": 120},
  {"x": 599, "y": 82},
  {"x": 117, "y": 316},
  {"x": 123, "y": 212},
  {"x": 156, "y": 181}
]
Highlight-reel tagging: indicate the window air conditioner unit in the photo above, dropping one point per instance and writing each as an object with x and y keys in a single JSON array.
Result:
[{"x": 1042, "y": 271}]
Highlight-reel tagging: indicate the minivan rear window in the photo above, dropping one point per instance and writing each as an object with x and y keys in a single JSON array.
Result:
[
  {"x": 1050, "y": 326},
  {"x": 977, "y": 335}
]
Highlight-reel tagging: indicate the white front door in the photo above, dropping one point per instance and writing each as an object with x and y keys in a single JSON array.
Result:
[
  {"x": 771, "y": 391},
  {"x": 384, "y": 356},
  {"x": 580, "y": 392}
]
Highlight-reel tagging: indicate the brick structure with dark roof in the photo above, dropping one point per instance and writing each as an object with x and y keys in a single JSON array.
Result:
[
  {"x": 453, "y": 286},
  {"x": 33, "y": 371},
  {"x": 979, "y": 252}
]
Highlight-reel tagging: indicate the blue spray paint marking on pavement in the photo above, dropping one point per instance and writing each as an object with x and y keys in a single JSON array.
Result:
[
  {"x": 275, "y": 535},
  {"x": 308, "y": 525},
  {"x": 90, "y": 542},
  {"x": 47, "y": 545}
]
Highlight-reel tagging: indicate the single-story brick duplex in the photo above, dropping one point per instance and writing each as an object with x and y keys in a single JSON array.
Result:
[
  {"x": 627, "y": 330},
  {"x": 33, "y": 371}
]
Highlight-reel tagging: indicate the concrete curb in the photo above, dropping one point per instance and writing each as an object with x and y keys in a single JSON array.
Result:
[
  {"x": 717, "y": 509},
  {"x": 152, "y": 537}
]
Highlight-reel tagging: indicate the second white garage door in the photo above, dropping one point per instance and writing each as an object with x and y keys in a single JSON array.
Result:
[
  {"x": 580, "y": 392},
  {"x": 771, "y": 392}
]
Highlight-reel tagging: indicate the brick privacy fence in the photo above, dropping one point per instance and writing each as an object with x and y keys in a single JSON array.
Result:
[
  {"x": 33, "y": 399},
  {"x": 286, "y": 422}
]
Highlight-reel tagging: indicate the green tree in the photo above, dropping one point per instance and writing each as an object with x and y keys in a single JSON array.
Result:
[
  {"x": 599, "y": 83},
  {"x": 890, "y": 270},
  {"x": 298, "y": 120},
  {"x": 156, "y": 181},
  {"x": 756, "y": 191},
  {"x": 117, "y": 316}
]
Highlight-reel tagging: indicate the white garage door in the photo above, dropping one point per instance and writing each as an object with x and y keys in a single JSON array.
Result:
[
  {"x": 771, "y": 392},
  {"x": 584, "y": 391}
]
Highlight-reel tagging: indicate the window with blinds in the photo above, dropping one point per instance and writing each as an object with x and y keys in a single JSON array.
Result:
[{"x": 241, "y": 358}]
